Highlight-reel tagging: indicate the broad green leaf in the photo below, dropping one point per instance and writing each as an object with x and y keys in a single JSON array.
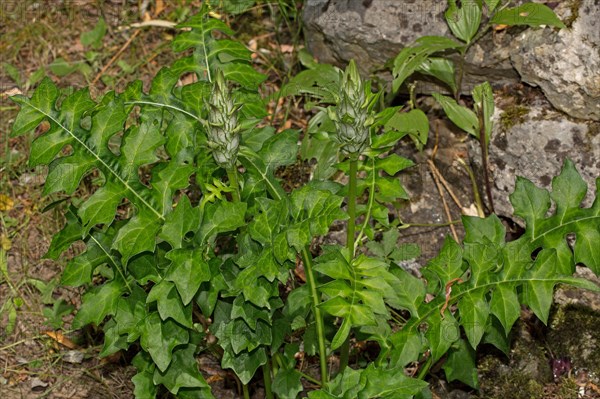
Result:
[
  {"x": 448, "y": 265},
  {"x": 100, "y": 208},
  {"x": 131, "y": 310},
  {"x": 539, "y": 290},
  {"x": 410, "y": 291},
  {"x": 505, "y": 306},
  {"x": 393, "y": 164},
  {"x": 460, "y": 364},
  {"x": 281, "y": 149},
  {"x": 461, "y": 116},
  {"x": 264, "y": 174},
  {"x": 79, "y": 269},
  {"x": 474, "y": 313},
  {"x": 188, "y": 270},
  {"x": 182, "y": 220},
  {"x": 495, "y": 335},
  {"x": 244, "y": 364},
  {"x": 159, "y": 338},
  {"x": 388, "y": 383},
  {"x": 492, "y": 4},
  {"x": 412, "y": 57},
  {"x": 98, "y": 303},
  {"x": 441, "y": 333},
  {"x": 286, "y": 384},
  {"x": 138, "y": 235},
  {"x": 35, "y": 110},
  {"x": 530, "y": 203},
  {"x": 568, "y": 189},
  {"x": 440, "y": 68},
  {"x": 144, "y": 379},
  {"x": 484, "y": 230},
  {"x": 587, "y": 250},
  {"x": 113, "y": 341},
  {"x": 170, "y": 304},
  {"x": 222, "y": 217},
  {"x": 320, "y": 83},
  {"x": 211, "y": 55},
  {"x": 463, "y": 19},
  {"x": 249, "y": 313},
  {"x": 407, "y": 346},
  {"x": 183, "y": 372},
  {"x": 530, "y": 14}
]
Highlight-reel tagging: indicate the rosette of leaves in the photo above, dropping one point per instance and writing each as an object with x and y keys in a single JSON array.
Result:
[
  {"x": 147, "y": 243},
  {"x": 478, "y": 288}
]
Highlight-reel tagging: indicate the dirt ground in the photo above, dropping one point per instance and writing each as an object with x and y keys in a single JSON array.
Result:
[{"x": 40, "y": 357}]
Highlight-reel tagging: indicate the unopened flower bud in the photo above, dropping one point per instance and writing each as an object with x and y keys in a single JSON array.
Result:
[
  {"x": 351, "y": 116},
  {"x": 223, "y": 131}
]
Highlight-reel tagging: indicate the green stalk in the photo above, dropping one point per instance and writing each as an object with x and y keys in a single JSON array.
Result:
[
  {"x": 246, "y": 391},
  {"x": 345, "y": 348},
  {"x": 233, "y": 183},
  {"x": 310, "y": 278},
  {"x": 267, "y": 378},
  {"x": 352, "y": 207}
]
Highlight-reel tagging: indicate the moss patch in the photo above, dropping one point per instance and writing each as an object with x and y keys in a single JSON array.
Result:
[
  {"x": 575, "y": 334},
  {"x": 513, "y": 115}
]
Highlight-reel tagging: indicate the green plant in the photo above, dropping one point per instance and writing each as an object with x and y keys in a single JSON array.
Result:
[
  {"x": 468, "y": 21},
  {"x": 189, "y": 235}
]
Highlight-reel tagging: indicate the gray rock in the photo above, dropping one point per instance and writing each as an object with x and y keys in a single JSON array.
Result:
[
  {"x": 374, "y": 31},
  {"x": 370, "y": 32},
  {"x": 536, "y": 146},
  {"x": 565, "y": 65}
]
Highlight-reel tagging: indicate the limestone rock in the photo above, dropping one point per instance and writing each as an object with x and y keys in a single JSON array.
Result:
[
  {"x": 565, "y": 65},
  {"x": 534, "y": 144}
]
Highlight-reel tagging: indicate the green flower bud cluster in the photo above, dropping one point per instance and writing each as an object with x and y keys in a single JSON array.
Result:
[
  {"x": 352, "y": 113},
  {"x": 223, "y": 129}
]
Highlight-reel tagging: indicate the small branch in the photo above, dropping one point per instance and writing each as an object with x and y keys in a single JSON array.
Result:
[
  {"x": 435, "y": 170},
  {"x": 441, "y": 191},
  {"x": 114, "y": 58}
]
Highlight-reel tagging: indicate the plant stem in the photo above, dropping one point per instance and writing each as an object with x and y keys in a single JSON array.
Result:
[
  {"x": 352, "y": 207},
  {"x": 484, "y": 163},
  {"x": 478, "y": 202},
  {"x": 267, "y": 378},
  {"x": 310, "y": 278},
  {"x": 233, "y": 183},
  {"x": 461, "y": 73},
  {"x": 358, "y": 240},
  {"x": 345, "y": 348},
  {"x": 246, "y": 392}
]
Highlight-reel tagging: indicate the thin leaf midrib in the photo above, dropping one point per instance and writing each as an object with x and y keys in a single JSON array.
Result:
[{"x": 99, "y": 159}]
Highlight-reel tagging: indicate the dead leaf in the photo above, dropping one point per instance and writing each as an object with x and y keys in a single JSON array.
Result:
[
  {"x": 61, "y": 339},
  {"x": 286, "y": 48},
  {"x": 470, "y": 211},
  {"x": 159, "y": 7},
  {"x": 73, "y": 356}
]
